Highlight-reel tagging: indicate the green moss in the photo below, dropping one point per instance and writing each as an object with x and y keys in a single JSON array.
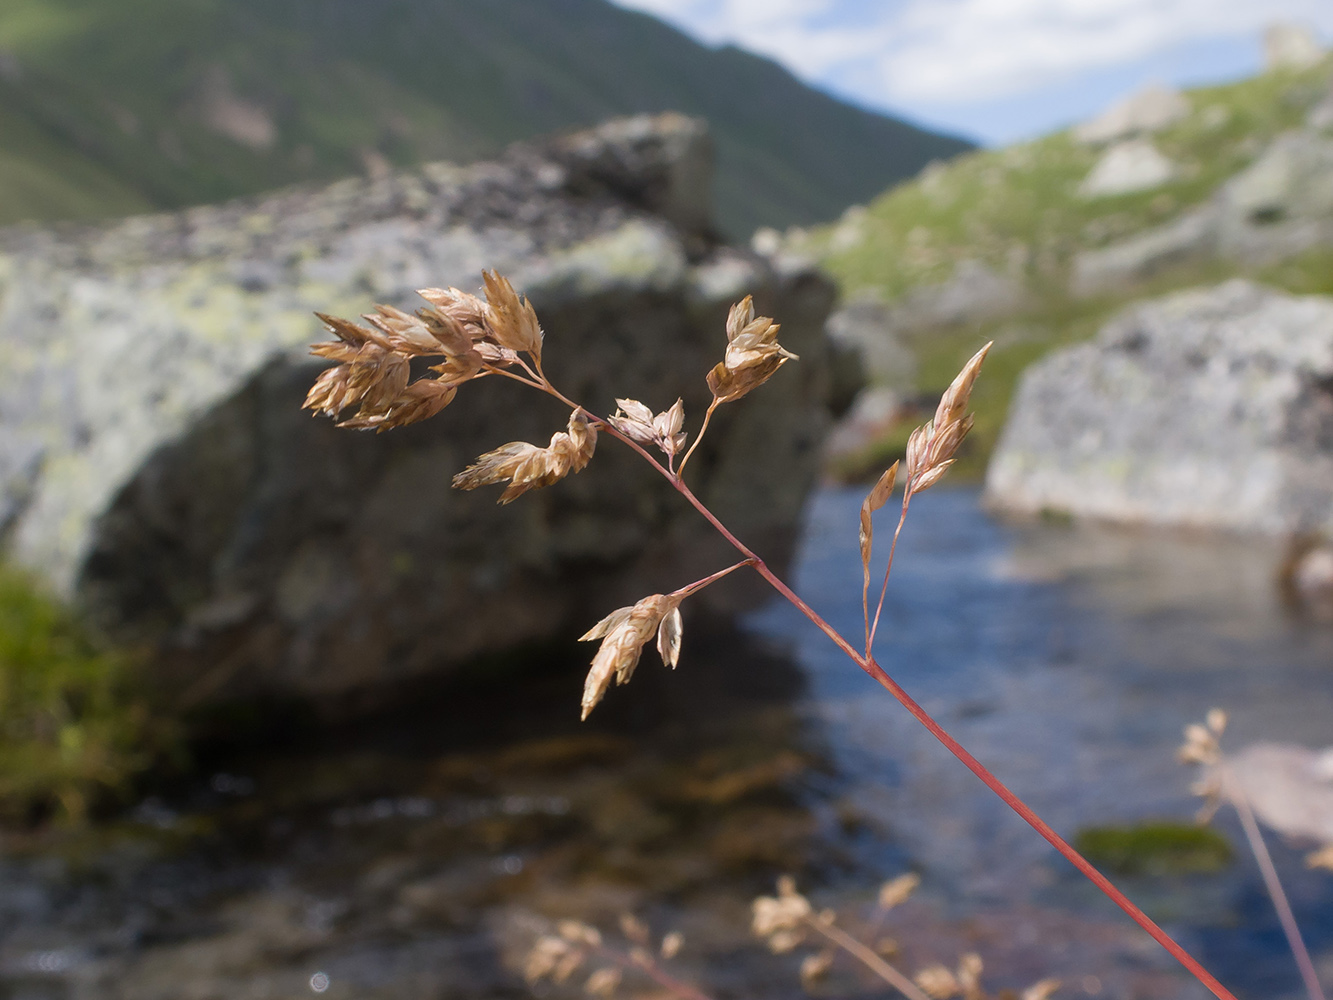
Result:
[
  {"x": 1157, "y": 848},
  {"x": 73, "y": 730}
]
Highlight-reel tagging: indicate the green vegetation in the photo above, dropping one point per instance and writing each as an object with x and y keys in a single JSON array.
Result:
[
  {"x": 73, "y": 731},
  {"x": 118, "y": 107},
  {"x": 1019, "y": 212},
  {"x": 1155, "y": 849}
]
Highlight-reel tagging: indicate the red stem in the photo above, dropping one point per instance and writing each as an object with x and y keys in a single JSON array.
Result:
[
  {"x": 884, "y": 587},
  {"x": 868, "y": 664},
  {"x": 975, "y": 766}
]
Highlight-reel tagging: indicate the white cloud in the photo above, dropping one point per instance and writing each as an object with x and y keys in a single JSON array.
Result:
[{"x": 959, "y": 51}]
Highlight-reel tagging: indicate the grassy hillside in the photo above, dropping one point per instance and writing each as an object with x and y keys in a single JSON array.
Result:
[
  {"x": 1018, "y": 211},
  {"x": 114, "y": 107}
]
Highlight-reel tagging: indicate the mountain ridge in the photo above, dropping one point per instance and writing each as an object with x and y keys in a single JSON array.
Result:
[{"x": 149, "y": 104}]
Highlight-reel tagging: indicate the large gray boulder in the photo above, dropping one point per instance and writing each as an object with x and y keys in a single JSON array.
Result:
[
  {"x": 155, "y": 465},
  {"x": 1208, "y": 408}
]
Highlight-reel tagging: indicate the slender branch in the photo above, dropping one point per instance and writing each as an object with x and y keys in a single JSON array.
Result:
[
  {"x": 1273, "y": 884},
  {"x": 869, "y": 959},
  {"x": 884, "y": 587},
  {"x": 492, "y": 370},
  {"x": 698, "y": 437},
  {"x": 708, "y": 581},
  {"x": 656, "y": 972},
  {"x": 868, "y": 664}
]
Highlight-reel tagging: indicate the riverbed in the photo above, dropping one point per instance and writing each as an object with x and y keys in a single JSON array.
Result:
[{"x": 421, "y": 852}]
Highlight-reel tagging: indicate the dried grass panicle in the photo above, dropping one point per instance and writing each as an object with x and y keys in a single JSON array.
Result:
[
  {"x": 1041, "y": 990},
  {"x": 513, "y": 321},
  {"x": 1203, "y": 747},
  {"x": 554, "y": 958},
  {"x": 528, "y": 467},
  {"x": 753, "y": 353},
  {"x": 875, "y": 499},
  {"x": 373, "y": 369},
  {"x": 932, "y": 446},
  {"x": 624, "y": 633},
  {"x": 672, "y": 942},
  {"x": 938, "y": 981},
  {"x": 603, "y": 982},
  {"x": 781, "y": 919},
  {"x": 897, "y": 891},
  {"x": 664, "y": 430},
  {"x": 816, "y": 966}
]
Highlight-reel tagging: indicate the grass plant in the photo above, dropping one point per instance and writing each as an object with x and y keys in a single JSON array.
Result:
[{"x": 499, "y": 336}]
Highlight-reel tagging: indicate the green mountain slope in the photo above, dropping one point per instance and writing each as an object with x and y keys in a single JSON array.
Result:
[
  {"x": 114, "y": 107},
  {"x": 1022, "y": 214}
]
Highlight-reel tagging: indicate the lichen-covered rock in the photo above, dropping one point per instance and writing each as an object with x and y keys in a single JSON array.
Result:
[
  {"x": 1209, "y": 408},
  {"x": 155, "y": 464}
]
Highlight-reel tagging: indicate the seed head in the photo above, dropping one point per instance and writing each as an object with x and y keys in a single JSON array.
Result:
[
  {"x": 638, "y": 423},
  {"x": 753, "y": 353},
  {"x": 512, "y": 321},
  {"x": 1041, "y": 990},
  {"x": 938, "y": 982},
  {"x": 932, "y": 446},
  {"x": 624, "y": 633},
  {"x": 603, "y": 982},
  {"x": 781, "y": 918},
  {"x": 671, "y": 944},
  {"x": 529, "y": 467},
  {"x": 896, "y": 891}
]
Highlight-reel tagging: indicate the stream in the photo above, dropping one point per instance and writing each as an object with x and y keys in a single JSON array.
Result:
[{"x": 419, "y": 854}]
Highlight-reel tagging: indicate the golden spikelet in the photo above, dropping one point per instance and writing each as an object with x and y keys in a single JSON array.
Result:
[
  {"x": 753, "y": 354},
  {"x": 513, "y": 323},
  {"x": 369, "y": 371},
  {"x": 528, "y": 467},
  {"x": 896, "y": 891},
  {"x": 875, "y": 499},
  {"x": 932, "y": 446},
  {"x": 664, "y": 430},
  {"x": 624, "y": 633}
]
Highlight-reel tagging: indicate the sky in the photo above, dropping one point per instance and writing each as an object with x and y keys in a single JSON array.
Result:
[{"x": 996, "y": 71}]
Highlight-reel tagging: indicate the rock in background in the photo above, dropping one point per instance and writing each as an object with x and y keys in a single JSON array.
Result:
[
  {"x": 1208, "y": 408},
  {"x": 155, "y": 464}
]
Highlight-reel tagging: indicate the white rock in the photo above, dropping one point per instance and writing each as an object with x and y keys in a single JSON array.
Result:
[
  {"x": 1291, "y": 46},
  {"x": 1134, "y": 165},
  {"x": 1149, "y": 110},
  {"x": 1206, "y": 408}
]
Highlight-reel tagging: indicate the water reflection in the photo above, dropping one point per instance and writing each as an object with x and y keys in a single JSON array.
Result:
[
  {"x": 1067, "y": 658},
  {"x": 416, "y": 853}
]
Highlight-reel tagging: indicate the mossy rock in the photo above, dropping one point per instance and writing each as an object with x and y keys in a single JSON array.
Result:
[{"x": 1157, "y": 848}]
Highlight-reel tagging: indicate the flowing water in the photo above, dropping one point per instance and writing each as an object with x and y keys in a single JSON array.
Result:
[{"x": 420, "y": 853}]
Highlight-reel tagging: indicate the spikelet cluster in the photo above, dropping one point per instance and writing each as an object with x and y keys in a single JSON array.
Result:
[
  {"x": 528, "y": 467},
  {"x": 941, "y": 983},
  {"x": 781, "y": 919},
  {"x": 753, "y": 354},
  {"x": 662, "y": 430},
  {"x": 558, "y": 956},
  {"x": 932, "y": 446},
  {"x": 1203, "y": 746},
  {"x": 624, "y": 633},
  {"x": 373, "y": 362}
]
